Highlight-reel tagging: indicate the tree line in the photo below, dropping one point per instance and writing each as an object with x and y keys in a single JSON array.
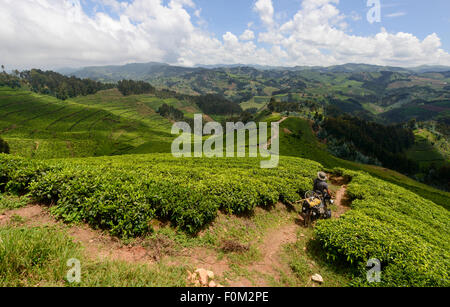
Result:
[
  {"x": 215, "y": 104},
  {"x": 279, "y": 106},
  {"x": 63, "y": 87},
  {"x": 209, "y": 104},
  {"x": 60, "y": 86},
  {"x": 386, "y": 144},
  {"x": 130, "y": 87},
  {"x": 170, "y": 112},
  {"x": 10, "y": 80}
]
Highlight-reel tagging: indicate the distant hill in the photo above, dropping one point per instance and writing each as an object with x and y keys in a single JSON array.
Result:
[
  {"x": 151, "y": 70},
  {"x": 136, "y": 71},
  {"x": 384, "y": 93}
]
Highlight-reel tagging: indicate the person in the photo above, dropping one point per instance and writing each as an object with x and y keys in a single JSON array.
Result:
[{"x": 321, "y": 186}]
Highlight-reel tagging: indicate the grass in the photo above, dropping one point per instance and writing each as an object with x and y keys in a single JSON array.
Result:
[
  {"x": 406, "y": 232},
  {"x": 255, "y": 102},
  {"x": 246, "y": 231},
  {"x": 306, "y": 258},
  {"x": 10, "y": 202},
  {"x": 38, "y": 257},
  {"x": 429, "y": 149},
  {"x": 39, "y": 126}
]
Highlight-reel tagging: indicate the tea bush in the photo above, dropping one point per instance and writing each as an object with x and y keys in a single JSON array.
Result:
[
  {"x": 123, "y": 194},
  {"x": 407, "y": 233}
]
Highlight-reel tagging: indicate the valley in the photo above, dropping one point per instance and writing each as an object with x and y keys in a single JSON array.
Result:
[{"x": 92, "y": 177}]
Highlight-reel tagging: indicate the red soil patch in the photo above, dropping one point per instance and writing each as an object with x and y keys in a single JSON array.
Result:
[
  {"x": 342, "y": 202},
  {"x": 96, "y": 243}
]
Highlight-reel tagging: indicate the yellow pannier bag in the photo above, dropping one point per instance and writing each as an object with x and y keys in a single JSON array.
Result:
[{"x": 313, "y": 203}]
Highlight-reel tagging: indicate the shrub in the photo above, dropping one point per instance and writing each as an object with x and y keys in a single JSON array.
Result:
[
  {"x": 123, "y": 194},
  {"x": 408, "y": 234},
  {"x": 4, "y": 147}
]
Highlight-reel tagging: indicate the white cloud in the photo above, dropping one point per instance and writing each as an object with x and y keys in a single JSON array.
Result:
[
  {"x": 248, "y": 35},
  {"x": 319, "y": 25},
  {"x": 398, "y": 14},
  {"x": 265, "y": 10},
  {"x": 56, "y": 33}
]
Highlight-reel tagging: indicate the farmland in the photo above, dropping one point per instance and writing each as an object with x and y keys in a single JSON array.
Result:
[
  {"x": 103, "y": 162},
  {"x": 297, "y": 139},
  {"x": 408, "y": 234},
  {"x": 156, "y": 186},
  {"x": 387, "y": 94},
  {"x": 429, "y": 148},
  {"x": 41, "y": 126},
  {"x": 124, "y": 195}
]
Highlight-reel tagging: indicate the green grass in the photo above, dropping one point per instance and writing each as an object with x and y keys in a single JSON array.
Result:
[
  {"x": 306, "y": 258},
  {"x": 38, "y": 257},
  {"x": 123, "y": 194},
  {"x": 10, "y": 202},
  {"x": 428, "y": 149},
  {"x": 127, "y": 194},
  {"x": 255, "y": 102}
]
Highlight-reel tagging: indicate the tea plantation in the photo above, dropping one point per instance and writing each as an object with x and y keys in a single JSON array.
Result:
[
  {"x": 404, "y": 224},
  {"x": 123, "y": 194},
  {"x": 407, "y": 233}
]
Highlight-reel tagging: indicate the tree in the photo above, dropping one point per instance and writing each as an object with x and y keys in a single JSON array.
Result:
[
  {"x": 55, "y": 84},
  {"x": 130, "y": 87},
  {"x": 412, "y": 124},
  {"x": 4, "y": 147}
]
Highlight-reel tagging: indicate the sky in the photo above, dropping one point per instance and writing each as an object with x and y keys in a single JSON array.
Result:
[{"x": 52, "y": 34}]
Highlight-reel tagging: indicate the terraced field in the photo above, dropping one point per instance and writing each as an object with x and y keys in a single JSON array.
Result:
[
  {"x": 428, "y": 149},
  {"x": 157, "y": 201},
  {"x": 107, "y": 123}
]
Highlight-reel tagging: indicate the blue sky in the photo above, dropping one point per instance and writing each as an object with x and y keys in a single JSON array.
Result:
[
  {"x": 54, "y": 33},
  {"x": 418, "y": 17}
]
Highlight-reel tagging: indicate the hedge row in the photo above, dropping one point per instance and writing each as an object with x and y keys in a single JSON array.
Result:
[
  {"x": 123, "y": 194},
  {"x": 408, "y": 234}
]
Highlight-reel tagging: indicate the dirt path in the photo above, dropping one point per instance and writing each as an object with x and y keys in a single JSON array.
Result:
[
  {"x": 97, "y": 244},
  {"x": 276, "y": 135},
  {"x": 101, "y": 246},
  {"x": 273, "y": 245},
  {"x": 270, "y": 250},
  {"x": 341, "y": 202}
]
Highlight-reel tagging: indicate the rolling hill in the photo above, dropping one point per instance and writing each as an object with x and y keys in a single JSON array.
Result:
[
  {"x": 385, "y": 94},
  {"x": 104, "y": 161},
  {"x": 107, "y": 123}
]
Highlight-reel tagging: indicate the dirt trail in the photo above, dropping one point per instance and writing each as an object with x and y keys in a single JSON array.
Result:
[
  {"x": 342, "y": 200},
  {"x": 97, "y": 244},
  {"x": 272, "y": 246},
  {"x": 270, "y": 250},
  {"x": 276, "y": 135},
  {"x": 101, "y": 246}
]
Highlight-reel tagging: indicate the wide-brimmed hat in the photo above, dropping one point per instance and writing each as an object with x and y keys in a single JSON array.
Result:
[{"x": 322, "y": 176}]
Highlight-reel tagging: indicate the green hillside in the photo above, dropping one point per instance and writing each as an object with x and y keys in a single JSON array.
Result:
[
  {"x": 106, "y": 123},
  {"x": 388, "y": 94},
  {"x": 298, "y": 140},
  {"x": 430, "y": 149},
  {"x": 201, "y": 203}
]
